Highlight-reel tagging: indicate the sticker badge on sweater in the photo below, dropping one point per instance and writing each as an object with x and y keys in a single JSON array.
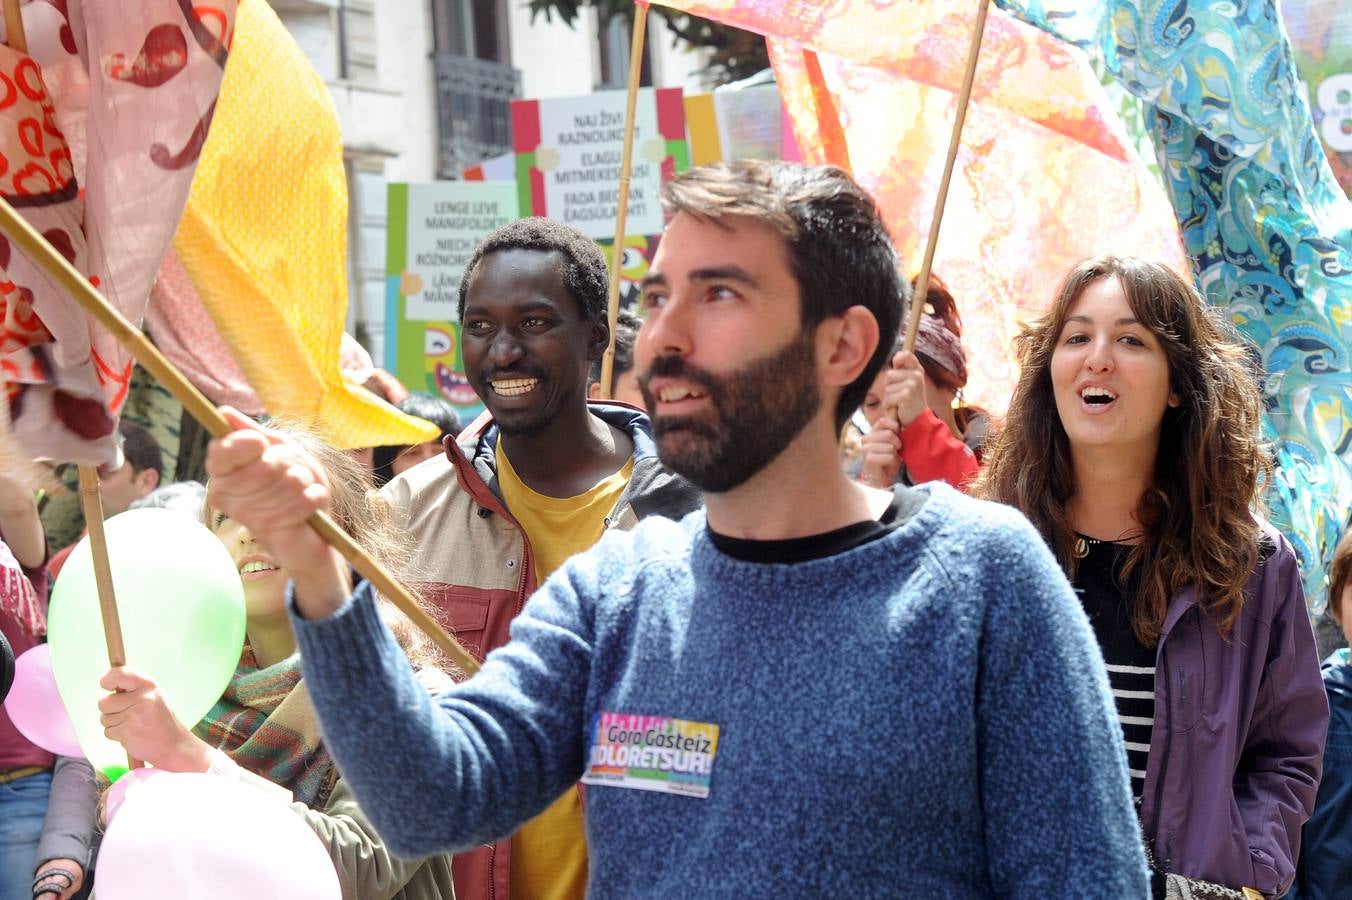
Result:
[{"x": 652, "y": 753}]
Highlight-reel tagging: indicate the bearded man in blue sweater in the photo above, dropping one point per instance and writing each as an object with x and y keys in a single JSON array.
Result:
[{"x": 812, "y": 688}]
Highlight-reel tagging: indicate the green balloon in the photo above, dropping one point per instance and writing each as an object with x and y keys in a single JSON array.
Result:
[{"x": 180, "y": 603}]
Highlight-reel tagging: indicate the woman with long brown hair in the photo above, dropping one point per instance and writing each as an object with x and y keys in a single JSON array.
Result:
[{"x": 1132, "y": 443}]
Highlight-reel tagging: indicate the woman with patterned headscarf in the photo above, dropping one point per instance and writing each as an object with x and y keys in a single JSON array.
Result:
[{"x": 919, "y": 429}]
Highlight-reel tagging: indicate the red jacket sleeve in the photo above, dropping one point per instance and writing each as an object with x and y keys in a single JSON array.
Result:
[{"x": 931, "y": 453}]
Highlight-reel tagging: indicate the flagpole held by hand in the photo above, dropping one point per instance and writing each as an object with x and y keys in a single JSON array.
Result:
[
  {"x": 92, "y": 506},
  {"x": 964, "y": 97}
]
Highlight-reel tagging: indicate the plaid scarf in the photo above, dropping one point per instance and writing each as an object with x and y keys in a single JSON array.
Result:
[{"x": 265, "y": 723}]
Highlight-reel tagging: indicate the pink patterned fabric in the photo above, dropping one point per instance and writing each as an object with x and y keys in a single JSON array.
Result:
[
  {"x": 121, "y": 106},
  {"x": 184, "y": 331},
  {"x": 1030, "y": 197}
]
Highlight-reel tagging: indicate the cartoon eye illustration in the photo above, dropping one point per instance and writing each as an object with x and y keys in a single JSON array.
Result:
[
  {"x": 633, "y": 259},
  {"x": 437, "y": 342}
]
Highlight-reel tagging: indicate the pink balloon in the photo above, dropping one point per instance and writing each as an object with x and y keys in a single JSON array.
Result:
[
  {"x": 189, "y": 834},
  {"x": 35, "y": 707},
  {"x": 117, "y": 794}
]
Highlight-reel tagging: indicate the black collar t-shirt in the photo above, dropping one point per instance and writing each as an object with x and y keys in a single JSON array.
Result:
[{"x": 905, "y": 502}]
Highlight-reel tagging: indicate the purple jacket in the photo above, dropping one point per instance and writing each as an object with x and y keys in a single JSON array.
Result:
[{"x": 1238, "y": 740}]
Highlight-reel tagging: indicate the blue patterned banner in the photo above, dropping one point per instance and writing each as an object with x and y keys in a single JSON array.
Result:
[{"x": 1266, "y": 223}]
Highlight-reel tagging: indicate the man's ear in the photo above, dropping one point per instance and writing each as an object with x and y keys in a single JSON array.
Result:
[
  {"x": 845, "y": 345},
  {"x": 146, "y": 481},
  {"x": 594, "y": 391},
  {"x": 599, "y": 339}
]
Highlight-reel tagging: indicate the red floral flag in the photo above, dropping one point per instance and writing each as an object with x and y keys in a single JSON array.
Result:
[{"x": 101, "y": 125}]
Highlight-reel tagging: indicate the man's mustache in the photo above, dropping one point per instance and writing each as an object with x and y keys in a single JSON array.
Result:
[
  {"x": 487, "y": 375},
  {"x": 677, "y": 367}
]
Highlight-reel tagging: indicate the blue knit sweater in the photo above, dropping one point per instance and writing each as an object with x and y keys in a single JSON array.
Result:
[{"x": 926, "y": 714}]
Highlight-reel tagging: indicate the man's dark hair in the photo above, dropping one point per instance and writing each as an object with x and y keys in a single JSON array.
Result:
[
  {"x": 840, "y": 252},
  {"x": 626, "y": 334},
  {"x": 583, "y": 267},
  {"x": 434, "y": 409},
  {"x": 140, "y": 448}
]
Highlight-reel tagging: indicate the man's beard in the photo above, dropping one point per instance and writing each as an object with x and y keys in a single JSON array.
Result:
[{"x": 757, "y": 410}]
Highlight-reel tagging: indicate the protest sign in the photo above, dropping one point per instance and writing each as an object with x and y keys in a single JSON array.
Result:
[
  {"x": 568, "y": 157},
  {"x": 433, "y": 230}
]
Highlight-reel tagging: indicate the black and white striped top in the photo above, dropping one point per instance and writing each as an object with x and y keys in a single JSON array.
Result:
[{"x": 1131, "y": 664}]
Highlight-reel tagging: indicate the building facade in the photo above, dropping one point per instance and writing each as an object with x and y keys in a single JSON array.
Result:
[{"x": 423, "y": 87}]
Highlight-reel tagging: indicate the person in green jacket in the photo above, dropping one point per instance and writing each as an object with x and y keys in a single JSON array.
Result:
[{"x": 263, "y": 730}]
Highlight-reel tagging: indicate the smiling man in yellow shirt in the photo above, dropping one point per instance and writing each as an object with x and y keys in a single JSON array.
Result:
[{"x": 539, "y": 478}]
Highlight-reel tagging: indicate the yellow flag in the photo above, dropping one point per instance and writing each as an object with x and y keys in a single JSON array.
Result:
[{"x": 264, "y": 237}]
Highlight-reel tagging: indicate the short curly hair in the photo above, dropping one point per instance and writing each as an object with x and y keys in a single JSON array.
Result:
[{"x": 583, "y": 270}]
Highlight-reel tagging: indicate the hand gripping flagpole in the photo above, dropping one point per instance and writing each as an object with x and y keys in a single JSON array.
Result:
[
  {"x": 622, "y": 209},
  {"x": 922, "y": 282},
  {"x": 92, "y": 506},
  {"x": 27, "y": 240}
]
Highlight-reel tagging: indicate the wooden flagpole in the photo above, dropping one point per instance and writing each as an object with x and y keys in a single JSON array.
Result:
[
  {"x": 922, "y": 283},
  {"x": 55, "y": 266},
  {"x": 14, "y": 33},
  {"x": 92, "y": 505},
  {"x": 622, "y": 209}
]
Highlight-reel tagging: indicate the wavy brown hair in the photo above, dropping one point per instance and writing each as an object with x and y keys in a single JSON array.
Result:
[{"x": 1197, "y": 518}]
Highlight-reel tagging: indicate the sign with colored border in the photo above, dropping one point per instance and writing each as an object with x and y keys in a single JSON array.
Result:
[
  {"x": 568, "y": 157},
  {"x": 433, "y": 230}
]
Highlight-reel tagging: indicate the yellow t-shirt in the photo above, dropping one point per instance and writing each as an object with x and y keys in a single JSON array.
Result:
[{"x": 549, "y": 853}]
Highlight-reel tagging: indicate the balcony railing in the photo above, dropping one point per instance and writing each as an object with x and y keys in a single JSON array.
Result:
[{"x": 473, "y": 111}]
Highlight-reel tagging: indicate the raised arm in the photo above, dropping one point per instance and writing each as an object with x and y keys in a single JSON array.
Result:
[
  {"x": 432, "y": 776},
  {"x": 20, "y": 524},
  {"x": 470, "y": 766}
]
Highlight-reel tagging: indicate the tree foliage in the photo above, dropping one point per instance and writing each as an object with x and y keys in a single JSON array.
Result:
[{"x": 734, "y": 53}]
